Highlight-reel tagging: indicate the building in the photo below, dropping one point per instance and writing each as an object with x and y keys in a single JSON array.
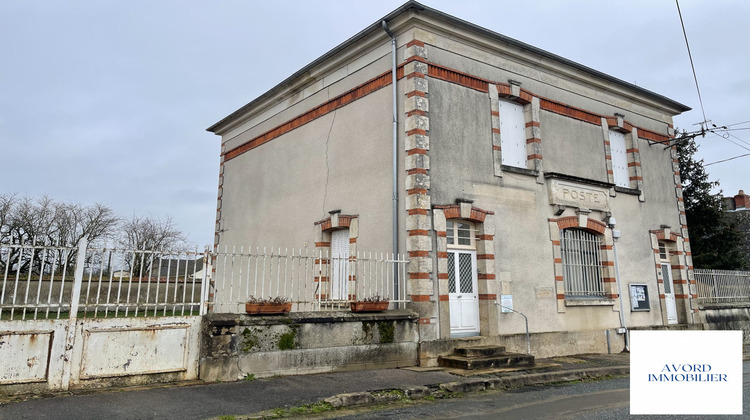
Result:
[{"x": 523, "y": 179}]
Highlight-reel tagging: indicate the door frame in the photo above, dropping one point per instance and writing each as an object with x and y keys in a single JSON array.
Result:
[
  {"x": 458, "y": 302},
  {"x": 670, "y": 302}
]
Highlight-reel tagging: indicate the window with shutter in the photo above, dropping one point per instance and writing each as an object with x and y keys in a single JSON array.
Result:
[
  {"x": 512, "y": 134},
  {"x": 618, "y": 152}
]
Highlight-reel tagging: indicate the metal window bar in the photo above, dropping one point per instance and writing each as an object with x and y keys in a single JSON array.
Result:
[{"x": 581, "y": 259}]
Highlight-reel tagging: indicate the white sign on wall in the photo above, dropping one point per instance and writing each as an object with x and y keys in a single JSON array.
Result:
[{"x": 507, "y": 302}]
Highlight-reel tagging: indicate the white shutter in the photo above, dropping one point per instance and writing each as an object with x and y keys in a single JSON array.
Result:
[
  {"x": 339, "y": 263},
  {"x": 512, "y": 134},
  {"x": 619, "y": 158}
]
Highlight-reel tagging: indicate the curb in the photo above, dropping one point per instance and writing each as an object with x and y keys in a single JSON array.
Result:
[{"x": 444, "y": 390}]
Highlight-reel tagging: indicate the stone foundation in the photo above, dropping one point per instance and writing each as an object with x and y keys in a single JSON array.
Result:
[{"x": 237, "y": 346}]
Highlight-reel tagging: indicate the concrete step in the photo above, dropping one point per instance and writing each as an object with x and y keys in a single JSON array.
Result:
[
  {"x": 507, "y": 371},
  {"x": 487, "y": 362},
  {"x": 480, "y": 351}
]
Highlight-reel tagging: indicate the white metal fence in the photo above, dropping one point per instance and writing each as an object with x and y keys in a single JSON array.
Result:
[
  {"x": 715, "y": 286},
  {"x": 310, "y": 279},
  {"x": 50, "y": 282},
  {"x": 53, "y": 282}
]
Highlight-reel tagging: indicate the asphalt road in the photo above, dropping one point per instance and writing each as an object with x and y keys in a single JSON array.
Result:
[
  {"x": 600, "y": 400},
  {"x": 205, "y": 401}
]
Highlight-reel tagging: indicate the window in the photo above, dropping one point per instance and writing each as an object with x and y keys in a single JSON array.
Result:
[
  {"x": 339, "y": 264},
  {"x": 663, "y": 254},
  {"x": 512, "y": 134},
  {"x": 666, "y": 267},
  {"x": 459, "y": 234},
  {"x": 581, "y": 259},
  {"x": 619, "y": 156}
]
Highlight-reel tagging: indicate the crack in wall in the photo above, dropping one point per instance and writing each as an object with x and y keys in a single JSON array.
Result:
[{"x": 328, "y": 168}]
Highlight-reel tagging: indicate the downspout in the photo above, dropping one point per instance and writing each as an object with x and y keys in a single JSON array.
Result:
[
  {"x": 615, "y": 237},
  {"x": 395, "y": 159}
]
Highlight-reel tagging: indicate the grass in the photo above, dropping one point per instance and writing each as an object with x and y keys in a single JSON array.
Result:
[
  {"x": 42, "y": 314},
  {"x": 299, "y": 411}
]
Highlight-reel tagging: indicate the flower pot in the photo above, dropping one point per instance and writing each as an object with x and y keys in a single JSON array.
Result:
[
  {"x": 369, "y": 306},
  {"x": 259, "y": 309}
]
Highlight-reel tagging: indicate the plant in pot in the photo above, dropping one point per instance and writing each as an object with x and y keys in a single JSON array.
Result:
[
  {"x": 375, "y": 303},
  {"x": 271, "y": 306}
]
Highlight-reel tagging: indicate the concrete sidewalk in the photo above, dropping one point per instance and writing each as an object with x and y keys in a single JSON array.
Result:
[{"x": 200, "y": 401}]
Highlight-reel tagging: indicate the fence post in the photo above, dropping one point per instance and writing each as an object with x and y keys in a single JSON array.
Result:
[
  {"x": 75, "y": 297},
  {"x": 207, "y": 269}
]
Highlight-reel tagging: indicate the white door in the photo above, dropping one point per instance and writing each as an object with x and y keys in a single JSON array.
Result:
[
  {"x": 339, "y": 263},
  {"x": 666, "y": 272},
  {"x": 463, "y": 297}
]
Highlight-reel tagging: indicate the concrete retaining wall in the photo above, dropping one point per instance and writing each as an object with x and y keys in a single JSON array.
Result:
[
  {"x": 727, "y": 316},
  {"x": 236, "y": 346}
]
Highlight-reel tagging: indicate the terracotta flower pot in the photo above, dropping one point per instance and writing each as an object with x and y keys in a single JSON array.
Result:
[
  {"x": 259, "y": 309},
  {"x": 369, "y": 306}
]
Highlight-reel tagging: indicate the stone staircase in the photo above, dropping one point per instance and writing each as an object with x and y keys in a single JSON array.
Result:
[
  {"x": 493, "y": 360},
  {"x": 485, "y": 357}
]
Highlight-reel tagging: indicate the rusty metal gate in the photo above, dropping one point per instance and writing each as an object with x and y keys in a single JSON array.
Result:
[{"x": 75, "y": 317}]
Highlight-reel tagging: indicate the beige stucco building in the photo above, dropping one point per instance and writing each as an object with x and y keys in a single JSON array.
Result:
[{"x": 523, "y": 179}]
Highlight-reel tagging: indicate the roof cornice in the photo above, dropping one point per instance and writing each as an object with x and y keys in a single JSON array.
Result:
[{"x": 302, "y": 77}]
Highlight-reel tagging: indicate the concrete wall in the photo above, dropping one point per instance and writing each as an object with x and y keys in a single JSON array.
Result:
[
  {"x": 235, "y": 346},
  {"x": 44, "y": 355},
  {"x": 275, "y": 193},
  {"x": 727, "y": 316}
]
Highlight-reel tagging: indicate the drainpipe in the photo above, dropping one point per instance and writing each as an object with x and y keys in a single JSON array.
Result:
[
  {"x": 615, "y": 237},
  {"x": 395, "y": 158}
]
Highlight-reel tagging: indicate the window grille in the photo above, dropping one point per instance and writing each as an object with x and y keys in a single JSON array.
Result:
[{"x": 581, "y": 258}]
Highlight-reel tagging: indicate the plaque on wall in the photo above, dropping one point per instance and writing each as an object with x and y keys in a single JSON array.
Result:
[
  {"x": 576, "y": 195},
  {"x": 639, "y": 297}
]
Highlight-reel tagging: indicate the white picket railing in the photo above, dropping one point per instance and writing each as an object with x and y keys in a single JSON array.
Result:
[
  {"x": 42, "y": 282},
  {"x": 715, "y": 286},
  {"x": 310, "y": 279}
]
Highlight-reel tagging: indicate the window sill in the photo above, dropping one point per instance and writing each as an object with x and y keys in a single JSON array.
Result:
[
  {"x": 589, "y": 302},
  {"x": 522, "y": 171},
  {"x": 633, "y": 191}
]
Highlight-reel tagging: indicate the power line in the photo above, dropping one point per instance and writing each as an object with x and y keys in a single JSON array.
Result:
[
  {"x": 732, "y": 135},
  {"x": 695, "y": 77},
  {"x": 725, "y": 160},
  {"x": 726, "y": 137}
]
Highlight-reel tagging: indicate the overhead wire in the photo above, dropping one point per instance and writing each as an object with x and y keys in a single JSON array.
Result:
[
  {"x": 690, "y": 55},
  {"x": 732, "y": 141},
  {"x": 728, "y": 159}
]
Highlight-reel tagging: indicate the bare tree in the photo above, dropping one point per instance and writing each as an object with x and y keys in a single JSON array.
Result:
[
  {"x": 149, "y": 233},
  {"x": 43, "y": 221},
  {"x": 145, "y": 233}
]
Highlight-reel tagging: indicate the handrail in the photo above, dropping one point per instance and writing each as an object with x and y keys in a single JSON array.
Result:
[{"x": 526, "y": 319}]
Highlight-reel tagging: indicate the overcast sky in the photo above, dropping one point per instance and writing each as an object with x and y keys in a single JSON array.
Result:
[{"x": 108, "y": 101}]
